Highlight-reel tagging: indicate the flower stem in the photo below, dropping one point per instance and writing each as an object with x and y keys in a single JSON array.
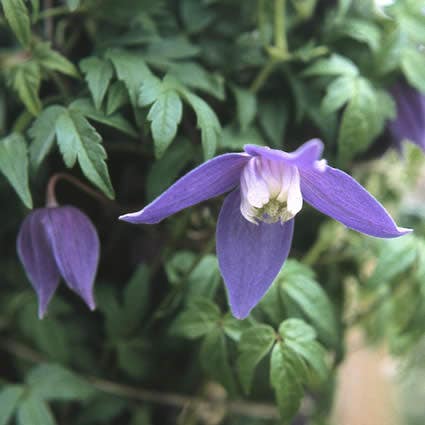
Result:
[
  {"x": 51, "y": 200},
  {"x": 280, "y": 25},
  {"x": 263, "y": 75}
]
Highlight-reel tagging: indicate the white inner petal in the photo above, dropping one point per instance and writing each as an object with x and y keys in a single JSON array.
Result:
[{"x": 270, "y": 191}]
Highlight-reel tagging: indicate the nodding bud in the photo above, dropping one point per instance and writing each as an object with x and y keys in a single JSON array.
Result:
[
  {"x": 55, "y": 242},
  {"x": 270, "y": 191}
]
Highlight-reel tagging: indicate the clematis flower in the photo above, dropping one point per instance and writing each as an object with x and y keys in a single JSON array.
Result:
[
  {"x": 409, "y": 123},
  {"x": 256, "y": 222},
  {"x": 55, "y": 242}
]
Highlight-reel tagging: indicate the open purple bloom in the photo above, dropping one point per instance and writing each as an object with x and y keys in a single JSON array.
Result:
[
  {"x": 256, "y": 222},
  {"x": 55, "y": 242},
  {"x": 409, "y": 123}
]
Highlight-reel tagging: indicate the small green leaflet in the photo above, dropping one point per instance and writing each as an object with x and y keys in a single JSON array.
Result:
[
  {"x": 98, "y": 73},
  {"x": 254, "y": 345},
  {"x": 117, "y": 97},
  {"x": 246, "y": 106},
  {"x": 14, "y": 165},
  {"x": 42, "y": 133},
  {"x": 338, "y": 93},
  {"x": 334, "y": 65},
  {"x": 77, "y": 139},
  {"x": 363, "y": 31},
  {"x": 413, "y": 66},
  {"x": 18, "y": 18},
  {"x": 34, "y": 411},
  {"x": 25, "y": 78},
  {"x": 54, "y": 61},
  {"x": 9, "y": 399}
]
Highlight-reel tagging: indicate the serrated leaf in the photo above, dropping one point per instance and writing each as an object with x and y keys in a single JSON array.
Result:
[
  {"x": 254, "y": 345},
  {"x": 25, "y": 79},
  {"x": 131, "y": 69},
  {"x": 192, "y": 75},
  {"x": 9, "y": 399},
  {"x": 207, "y": 121},
  {"x": 413, "y": 66},
  {"x": 165, "y": 116},
  {"x": 116, "y": 120},
  {"x": 334, "y": 65},
  {"x": 215, "y": 359},
  {"x": 98, "y": 74},
  {"x": 314, "y": 303},
  {"x": 14, "y": 165},
  {"x": 117, "y": 97},
  {"x": 54, "y": 382},
  {"x": 150, "y": 90},
  {"x": 42, "y": 133},
  {"x": 50, "y": 59},
  {"x": 18, "y": 18},
  {"x": 246, "y": 106},
  {"x": 33, "y": 411},
  {"x": 285, "y": 378},
  {"x": 338, "y": 93},
  {"x": 363, "y": 31},
  {"x": 77, "y": 139}
]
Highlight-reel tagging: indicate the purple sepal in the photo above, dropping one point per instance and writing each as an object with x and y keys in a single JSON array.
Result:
[
  {"x": 213, "y": 178},
  {"x": 304, "y": 157},
  {"x": 59, "y": 241},
  {"x": 410, "y": 120},
  {"x": 339, "y": 196},
  {"x": 36, "y": 255},
  {"x": 249, "y": 255}
]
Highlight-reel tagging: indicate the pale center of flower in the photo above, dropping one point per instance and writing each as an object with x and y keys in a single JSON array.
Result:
[{"x": 270, "y": 191}]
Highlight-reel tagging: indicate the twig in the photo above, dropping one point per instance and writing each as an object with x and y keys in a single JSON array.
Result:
[{"x": 237, "y": 407}]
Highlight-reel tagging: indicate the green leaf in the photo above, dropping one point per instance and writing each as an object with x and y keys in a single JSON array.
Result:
[
  {"x": 273, "y": 116},
  {"x": 363, "y": 31},
  {"x": 334, "y": 65},
  {"x": 150, "y": 91},
  {"x": 246, "y": 106},
  {"x": 18, "y": 18},
  {"x": 73, "y": 4},
  {"x": 165, "y": 116},
  {"x": 413, "y": 66},
  {"x": 164, "y": 171},
  {"x": 33, "y": 411},
  {"x": 25, "y": 79},
  {"x": 85, "y": 107},
  {"x": 14, "y": 165},
  {"x": 286, "y": 372},
  {"x": 194, "y": 76},
  {"x": 196, "y": 15},
  {"x": 49, "y": 59},
  {"x": 131, "y": 69},
  {"x": 117, "y": 97},
  {"x": 215, "y": 359},
  {"x": 172, "y": 48},
  {"x": 338, "y": 93},
  {"x": 98, "y": 74},
  {"x": 313, "y": 301},
  {"x": 77, "y": 139},
  {"x": 54, "y": 382},
  {"x": 133, "y": 357},
  {"x": 207, "y": 121},
  {"x": 9, "y": 399},
  {"x": 42, "y": 133},
  {"x": 254, "y": 345},
  {"x": 200, "y": 318}
]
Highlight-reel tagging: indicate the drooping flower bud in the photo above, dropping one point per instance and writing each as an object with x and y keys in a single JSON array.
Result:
[{"x": 55, "y": 242}]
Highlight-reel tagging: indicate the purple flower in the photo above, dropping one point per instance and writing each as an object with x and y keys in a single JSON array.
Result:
[
  {"x": 59, "y": 241},
  {"x": 255, "y": 225},
  {"x": 410, "y": 120}
]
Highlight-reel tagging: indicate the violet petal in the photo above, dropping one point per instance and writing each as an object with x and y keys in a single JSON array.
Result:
[
  {"x": 36, "y": 255},
  {"x": 338, "y": 195},
  {"x": 249, "y": 255},
  {"x": 75, "y": 245},
  {"x": 213, "y": 178},
  {"x": 305, "y": 156}
]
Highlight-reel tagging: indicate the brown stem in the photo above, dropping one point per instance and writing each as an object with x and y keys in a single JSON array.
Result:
[{"x": 237, "y": 407}]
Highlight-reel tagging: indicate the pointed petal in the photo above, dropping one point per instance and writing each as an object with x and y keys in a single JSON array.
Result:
[
  {"x": 250, "y": 255},
  {"x": 338, "y": 195},
  {"x": 75, "y": 246},
  {"x": 213, "y": 178},
  {"x": 37, "y": 258},
  {"x": 305, "y": 156}
]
